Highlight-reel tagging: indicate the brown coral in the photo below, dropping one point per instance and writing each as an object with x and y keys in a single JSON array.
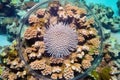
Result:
[
  {"x": 47, "y": 70},
  {"x": 30, "y": 33},
  {"x": 83, "y": 32},
  {"x": 56, "y": 60},
  {"x": 29, "y": 50},
  {"x": 40, "y": 12},
  {"x": 21, "y": 74},
  {"x": 76, "y": 67},
  {"x": 56, "y": 69},
  {"x": 39, "y": 44},
  {"x": 86, "y": 64},
  {"x": 89, "y": 22},
  {"x": 12, "y": 76},
  {"x": 5, "y": 74},
  {"x": 95, "y": 42},
  {"x": 38, "y": 65},
  {"x": 54, "y": 76},
  {"x": 88, "y": 57},
  {"x": 68, "y": 73},
  {"x": 81, "y": 39},
  {"x": 33, "y": 19}
]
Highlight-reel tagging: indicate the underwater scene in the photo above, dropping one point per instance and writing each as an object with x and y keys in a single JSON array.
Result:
[{"x": 59, "y": 39}]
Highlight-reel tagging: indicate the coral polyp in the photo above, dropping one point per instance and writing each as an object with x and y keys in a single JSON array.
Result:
[{"x": 60, "y": 39}]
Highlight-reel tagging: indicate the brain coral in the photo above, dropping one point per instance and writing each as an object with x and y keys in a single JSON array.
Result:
[{"x": 60, "y": 39}]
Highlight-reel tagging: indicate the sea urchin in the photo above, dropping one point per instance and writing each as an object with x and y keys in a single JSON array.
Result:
[{"x": 60, "y": 40}]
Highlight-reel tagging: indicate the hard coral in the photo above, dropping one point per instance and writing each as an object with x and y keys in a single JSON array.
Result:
[
  {"x": 56, "y": 60},
  {"x": 47, "y": 70},
  {"x": 30, "y": 33},
  {"x": 33, "y": 19},
  {"x": 40, "y": 12},
  {"x": 68, "y": 73},
  {"x": 38, "y": 65}
]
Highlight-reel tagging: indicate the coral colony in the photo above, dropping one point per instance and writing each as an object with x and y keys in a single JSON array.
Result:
[{"x": 60, "y": 43}]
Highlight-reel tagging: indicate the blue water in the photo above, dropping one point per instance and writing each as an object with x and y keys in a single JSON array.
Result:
[{"x": 3, "y": 40}]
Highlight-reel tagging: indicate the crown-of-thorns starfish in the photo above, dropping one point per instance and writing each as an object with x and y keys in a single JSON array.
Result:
[{"x": 60, "y": 40}]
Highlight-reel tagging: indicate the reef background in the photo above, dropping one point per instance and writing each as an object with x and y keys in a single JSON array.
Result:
[{"x": 11, "y": 12}]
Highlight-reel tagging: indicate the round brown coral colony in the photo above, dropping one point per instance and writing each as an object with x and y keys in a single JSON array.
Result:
[{"x": 62, "y": 41}]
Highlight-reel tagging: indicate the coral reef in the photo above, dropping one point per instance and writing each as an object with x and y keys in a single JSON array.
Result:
[
  {"x": 60, "y": 41},
  {"x": 106, "y": 16},
  {"x": 118, "y": 5},
  {"x": 57, "y": 45}
]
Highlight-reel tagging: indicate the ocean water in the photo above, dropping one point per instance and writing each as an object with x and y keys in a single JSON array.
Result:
[{"x": 4, "y": 41}]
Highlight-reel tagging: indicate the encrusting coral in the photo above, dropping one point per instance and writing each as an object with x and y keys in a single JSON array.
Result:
[{"x": 57, "y": 42}]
